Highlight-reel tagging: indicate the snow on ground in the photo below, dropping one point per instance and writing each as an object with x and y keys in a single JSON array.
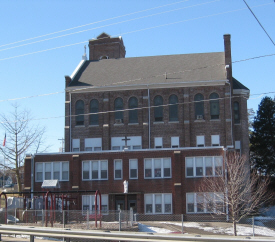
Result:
[
  {"x": 145, "y": 228},
  {"x": 241, "y": 230}
]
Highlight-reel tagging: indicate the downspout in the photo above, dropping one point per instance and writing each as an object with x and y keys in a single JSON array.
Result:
[
  {"x": 149, "y": 119},
  {"x": 70, "y": 113},
  {"x": 32, "y": 175},
  {"x": 231, "y": 115}
]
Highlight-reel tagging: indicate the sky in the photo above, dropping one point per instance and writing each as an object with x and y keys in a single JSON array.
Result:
[{"x": 43, "y": 41}]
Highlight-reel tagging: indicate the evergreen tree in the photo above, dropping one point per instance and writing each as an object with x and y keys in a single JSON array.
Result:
[{"x": 262, "y": 138}]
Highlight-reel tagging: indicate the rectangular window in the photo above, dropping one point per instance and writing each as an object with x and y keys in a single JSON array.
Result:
[
  {"x": 203, "y": 166},
  {"x": 133, "y": 142},
  {"x": 157, "y": 168},
  {"x": 88, "y": 203},
  {"x": 207, "y": 202},
  {"x": 95, "y": 170},
  {"x": 76, "y": 145},
  {"x": 118, "y": 169},
  {"x": 200, "y": 141},
  {"x": 237, "y": 145},
  {"x": 159, "y": 203},
  {"x": 57, "y": 170},
  {"x": 133, "y": 168},
  {"x": 86, "y": 170},
  {"x": 175, "y": 142},
  {"x": 93, "y": 144},
  {"x": 215, "y": 140},
  {"x": 158, "y": 142}
]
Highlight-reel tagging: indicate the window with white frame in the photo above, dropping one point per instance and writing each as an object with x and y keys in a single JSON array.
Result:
[
  {"x": 57, "y": 170},
  {"x": 203, "y": 166},
  {"x": 175, "y": 142},
  {"x": 93, "y": 144},
  {"x": 200, "y": 141},
  {"x": 95, "y": 170},
  {"x": 88, "y": 203},
  {"x": 158, "y": 142},
  {"x": 133, "y": 169},
  {"x": 237, "y": 145},
  {"x": 159, "y": 203},
  {"x": 215, "y": 140},
  {"x": 133, "y": 142},
  {"x": 208, "y": 202},
  {"x": 157, "y": 168},
  {"x": 76, "y": 145},
  {"x": 118, "y": 169}
]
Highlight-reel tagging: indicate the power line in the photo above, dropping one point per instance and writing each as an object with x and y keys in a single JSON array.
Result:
[{"x": 259, "y": 22}]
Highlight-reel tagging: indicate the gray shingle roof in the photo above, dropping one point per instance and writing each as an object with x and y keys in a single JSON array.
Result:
[{"x": 151, "y": 70}]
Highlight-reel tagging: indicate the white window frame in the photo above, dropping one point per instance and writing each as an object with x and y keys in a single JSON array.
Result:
[
  {"x": 200, "y": 141},
  {"x": 192, "y": 162},
  {"x": 117, "y": 161},
  {"x": 163, "y": 198},
  {"x": 93, "y": 144},
  {"x": 75, "y": 145},
  {"x": 238, "y": 145},
  {"x": 51, "y": 166},
  {"x": 131, "y": 168},
  {"x": 215, "y": 140},
  {"x": 154, "y": 173},
  {"x": 195, "y": 197},
  {"x": 175, "y": 142},
  {"x": 158, "y": 142},
  {"x": 99, "y": 170},
  {"x": 135, "y": 142},
  {"x": 89, "y": 201}
]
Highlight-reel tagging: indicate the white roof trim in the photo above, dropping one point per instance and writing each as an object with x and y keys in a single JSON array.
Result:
[{"x": 77, "y": 69}]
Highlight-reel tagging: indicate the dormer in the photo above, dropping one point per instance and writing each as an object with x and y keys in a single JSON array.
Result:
[{"x": 106, "y": 47}]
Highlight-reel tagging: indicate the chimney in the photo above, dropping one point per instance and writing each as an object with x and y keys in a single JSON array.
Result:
[{"x": 227, "y": 56}]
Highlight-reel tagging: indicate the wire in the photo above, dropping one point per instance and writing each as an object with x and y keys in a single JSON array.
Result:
[
  {"x": 259, "y": 23},
  {"x": 125, "y": 21}
]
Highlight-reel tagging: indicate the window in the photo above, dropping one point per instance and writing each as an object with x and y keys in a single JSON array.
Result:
[
  {"x": 93, "y": 144},
  {"x": 236, "y": 113},
  {"x": 94, "y": 112},
  {"x": 133, "y": 142},
  {"x": 79, "y": 112},
  {"x": 57, "y": 170},
  {"x": 76, "y": 145},
  {"x": 158, "y": 109},
  {"x": 95, "y": 170},
  {"x": 208, "y": 202},
  {"x": 215, "y": 140},
  {"x": 133, "y": 168},
  {"x": 200, "y": 141},
  {"x": 88, "y": 203},
  {"x": 158, "y": 142},
  {"x": 157, "y": 168},
  {"x": 159, "y": 203},
  {"x": 133, "y": 112},
  {"x": 199, "y": 106},
  {"x": 118, "y": 169},
  {"x": 118, "y": 114},
  {"x": 175, "y": 142},
  {"x": 238, "y": 145},
  {"x": 203, "y": 166},
  {"x": 173, "y": 108},
  {"x": 214, "y": 106}
]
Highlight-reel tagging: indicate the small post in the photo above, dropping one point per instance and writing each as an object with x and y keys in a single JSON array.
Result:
[
  {"x": 135, "y": 217},
  {"x": 131, "y": 217},
  {"x": 88, "y": 218},
  {"x": 119, "y": 218},
  {"x": 31, "y": 238},
  {"x": 63, "y": 213},
  {"x": 182, "y": 223},
  {"x": 0, "y": 238},
  {"x": 15, "y": 216},
  {"x": 42, "y": 217},
  {"x": 253, "y": 227}
]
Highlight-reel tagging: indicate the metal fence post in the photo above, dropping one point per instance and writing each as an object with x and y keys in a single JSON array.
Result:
[
  {"x": 119, "y": 218},
  {"x": 253, "y": 227},
  {"x": 182, "y": 223},
  {"x": 131, "y": 216},
  {"x": 63, "y": 217},
  {"x": 88, "y": 218},
  {"x": 42, "y": 218},
  {"x": 31, "y": 238}
]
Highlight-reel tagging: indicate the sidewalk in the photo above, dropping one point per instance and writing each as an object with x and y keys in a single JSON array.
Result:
[{"x": 20, "y": 239}]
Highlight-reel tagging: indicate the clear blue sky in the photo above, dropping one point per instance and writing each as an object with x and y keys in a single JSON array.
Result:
[{"x": 148, "y": 28}]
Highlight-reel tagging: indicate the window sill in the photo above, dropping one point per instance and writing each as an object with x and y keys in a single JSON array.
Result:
[
  {"x": 173, "y": 122},
  {"x": 199, "y": 120},
  {"x": 158, "y": 122},
  {"x": 94, "y": 125},
  {"x": 133, "y": 123},
  {"x": 118, "y": 124},
  {"x": 79, "y": 126},
  {"x": 215, "y": 120}
]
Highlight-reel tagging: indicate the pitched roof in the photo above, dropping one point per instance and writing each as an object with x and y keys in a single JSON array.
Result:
[
  {"x": 151, "y": 70},
  {"x": 238, "y": 85}
]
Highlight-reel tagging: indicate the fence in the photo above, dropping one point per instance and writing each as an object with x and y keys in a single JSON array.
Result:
[{"x": 129, "y": 221}]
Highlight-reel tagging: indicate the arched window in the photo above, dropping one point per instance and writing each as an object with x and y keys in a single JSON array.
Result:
[
  {"x": 173, "y": 108},
  {"x": 214, "y": 106},
  {"x": 158, "y": 109},
  {"x": 79, "y": 112},
  {"x": 133, "y": 112},
  {"x": 119, "y": 114},
  {"x": 94, "y": 112},
  {"x": 236, "y": 113},
  {"x": 199, "y": 106}
]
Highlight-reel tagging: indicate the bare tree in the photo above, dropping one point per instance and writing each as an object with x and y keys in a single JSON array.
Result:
[
  {"x": 21, "y": 137},
  {"x": 243, "y": 192}
]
